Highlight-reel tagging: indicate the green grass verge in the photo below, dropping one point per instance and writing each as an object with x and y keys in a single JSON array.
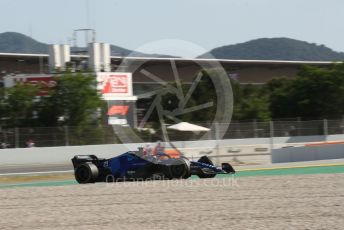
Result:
[{"x": 254, "y": 172}]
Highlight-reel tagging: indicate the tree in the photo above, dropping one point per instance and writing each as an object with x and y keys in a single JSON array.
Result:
[
  {"x": 2, "y": 106},
  {"x": 204, "y": 101},
  {"x": 316, "y": 93},
  {"x": 205, "y": 92},
  {"x": 281, "y": 102},
  {"x": 250, "y": 102},
  {"x": 75, "y": 101},
  {"x": 18, "y": 105}
]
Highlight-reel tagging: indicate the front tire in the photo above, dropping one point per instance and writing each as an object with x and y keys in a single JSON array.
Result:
[
  {"x": 86, "y": 173},
  {"x": 205, "y": 160},
  {"x": 203, "y": 175},
  {"x": 178, "y": 169}
]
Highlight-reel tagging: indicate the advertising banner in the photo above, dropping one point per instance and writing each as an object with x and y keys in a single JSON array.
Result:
[
  {"x": 45, "y": 82},
  {"x": 121, "y": 113},
  {"x": 114, "y": 84},
  {"x": 117, "y": 90}
]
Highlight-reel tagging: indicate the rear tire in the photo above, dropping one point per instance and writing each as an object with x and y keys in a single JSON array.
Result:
[{"x": 86, "y": 173}]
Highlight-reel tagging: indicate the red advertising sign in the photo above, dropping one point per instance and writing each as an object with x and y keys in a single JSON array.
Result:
[
  {"x": 118, "y": 109},
  {"x": 44, "y": 83},
  {"x": 116, "y": 84}
]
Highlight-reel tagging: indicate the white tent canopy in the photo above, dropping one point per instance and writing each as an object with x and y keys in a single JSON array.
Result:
[{"x": 186, "y": 126}]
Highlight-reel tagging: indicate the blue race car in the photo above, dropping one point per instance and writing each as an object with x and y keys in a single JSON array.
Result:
[{"x": 134, "y": 166}]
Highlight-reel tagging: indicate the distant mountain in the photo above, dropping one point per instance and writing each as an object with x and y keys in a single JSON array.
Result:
[
  {"x": 259, "y": 49},
  {"x": 119, "y": 51},
  {"x": 12, "y": 42},
  {"x": 276, "y": 49}
]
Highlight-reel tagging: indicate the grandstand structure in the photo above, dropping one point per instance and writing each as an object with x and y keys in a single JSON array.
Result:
[
  {"x": 244, "y": 71},
  {"x": 121, "y": 79},
  {"x": 127, "y": 108}
]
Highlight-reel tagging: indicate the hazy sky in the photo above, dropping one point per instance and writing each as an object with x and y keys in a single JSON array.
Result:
[{"x": 207, "y": 23}]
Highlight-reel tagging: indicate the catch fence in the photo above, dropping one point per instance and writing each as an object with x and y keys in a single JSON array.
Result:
[{"x": 106, "y": 134}]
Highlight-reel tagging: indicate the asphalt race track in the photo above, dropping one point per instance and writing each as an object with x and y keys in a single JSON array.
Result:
[
  {"x": 301, "y": 198},
  {"x": 8, "y": 169}
]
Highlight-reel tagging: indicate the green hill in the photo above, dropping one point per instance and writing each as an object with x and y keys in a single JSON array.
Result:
[
  {"x": 259, "y": 49},
  {"x": 276, "y": 49},
  {"x": 12, "y": 42}
]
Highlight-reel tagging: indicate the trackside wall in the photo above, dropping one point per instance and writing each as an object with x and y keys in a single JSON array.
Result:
[{"x": 251, "y": 150}]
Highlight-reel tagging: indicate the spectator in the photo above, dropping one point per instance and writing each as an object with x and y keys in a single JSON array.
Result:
[
  {"x": 4, "y": 145},
  {"x": 30, "y": 143}
]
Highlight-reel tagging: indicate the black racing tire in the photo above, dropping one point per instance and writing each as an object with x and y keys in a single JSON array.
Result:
[
  {"x": 178, "y": 169},
  {"x": 205, "y": 160},
  {"x": 106, "y": 176},
  {"x": 205, "y": 176},
  {"x": 86, "y": 173}
]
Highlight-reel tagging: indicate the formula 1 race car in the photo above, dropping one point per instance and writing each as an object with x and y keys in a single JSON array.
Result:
[{"x": 134, "y": 166}]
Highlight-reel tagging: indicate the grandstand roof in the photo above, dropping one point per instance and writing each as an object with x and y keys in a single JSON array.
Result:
[{"x": 180, "y": 59}]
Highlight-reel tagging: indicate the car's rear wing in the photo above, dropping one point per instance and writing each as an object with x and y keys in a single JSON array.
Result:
[{"x": 80, "y": 159}]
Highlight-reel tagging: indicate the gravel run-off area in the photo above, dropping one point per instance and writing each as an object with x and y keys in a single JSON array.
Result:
[{"x": 264, "y": 202}]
